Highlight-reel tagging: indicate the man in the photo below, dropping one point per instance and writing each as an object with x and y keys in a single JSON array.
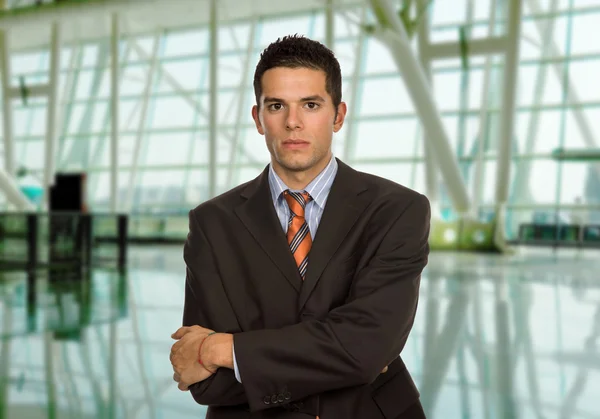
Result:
[{"x": 302, "y": 284}]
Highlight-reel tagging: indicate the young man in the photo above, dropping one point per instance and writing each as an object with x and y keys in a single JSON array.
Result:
[{"x": 302, "y": 284}]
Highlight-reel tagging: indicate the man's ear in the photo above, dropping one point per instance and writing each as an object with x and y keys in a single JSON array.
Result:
[
  {"x": 256, "y": 118},
  {"x": 340, "y": 117}
]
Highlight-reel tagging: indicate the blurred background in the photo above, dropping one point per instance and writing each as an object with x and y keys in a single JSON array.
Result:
[{"x": 119, "y": 116}]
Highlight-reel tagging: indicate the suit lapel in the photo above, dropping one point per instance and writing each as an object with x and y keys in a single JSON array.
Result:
[
  {"x": 259, "y": 217},
  {"x": 344, "y": 205}
]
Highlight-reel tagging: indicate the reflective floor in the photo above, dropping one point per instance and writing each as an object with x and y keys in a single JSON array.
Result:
[{"x": 495, "y": 337}]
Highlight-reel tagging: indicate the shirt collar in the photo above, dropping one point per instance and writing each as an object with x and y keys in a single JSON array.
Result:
[{"x": 318, "y": 188}]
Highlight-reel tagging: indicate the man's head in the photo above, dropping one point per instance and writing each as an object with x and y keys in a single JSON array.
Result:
[
  {"x": 299, "y": 52},
  {"x": 298, "y": 105}
]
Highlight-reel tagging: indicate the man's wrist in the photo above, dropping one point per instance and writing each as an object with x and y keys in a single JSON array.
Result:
[{"x": 218, "y": 351}]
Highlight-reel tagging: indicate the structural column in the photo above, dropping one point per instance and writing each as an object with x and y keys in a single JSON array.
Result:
[
  {"x": 213, "y": 100},
  {"x": 114, "y": 110},
  {"x": 393, "y": 34},
  {"x": 478, "y": 163},
  {"x": 9, "y": 150},
  {"x": 142, "y": 124},
  {"x": 329, "y": 25},
  {"x": 431, "y": 173},
  {"x": 523, "y": 167},
  {"x": 554, "y": 51},
  {"x": 241, "y": 108},
  {"x": 51, "y": 112},
  {"x": 508, "y": 115}
]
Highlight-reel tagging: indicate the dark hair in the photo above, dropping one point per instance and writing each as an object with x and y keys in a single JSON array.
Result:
[{"x": 296, "y": 51}]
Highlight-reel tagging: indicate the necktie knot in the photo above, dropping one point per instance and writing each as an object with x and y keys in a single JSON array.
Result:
[{"x": 297, "y": 201}]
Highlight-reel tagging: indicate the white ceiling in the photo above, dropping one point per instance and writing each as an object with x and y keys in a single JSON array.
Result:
[{"x": 88, "y": 20}]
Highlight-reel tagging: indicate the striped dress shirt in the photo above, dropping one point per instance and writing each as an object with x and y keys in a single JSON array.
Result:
[{"x": 318, "y": 189}]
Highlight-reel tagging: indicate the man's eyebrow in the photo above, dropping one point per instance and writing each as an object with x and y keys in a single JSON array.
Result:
[
  {"x": 313, "y": 98},
  {"x": 273, "y": 99}
]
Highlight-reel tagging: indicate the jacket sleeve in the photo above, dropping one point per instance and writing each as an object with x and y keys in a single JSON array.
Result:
[
  {"x": 206, "y": 304},
  {"x": 352, "y": 343}
]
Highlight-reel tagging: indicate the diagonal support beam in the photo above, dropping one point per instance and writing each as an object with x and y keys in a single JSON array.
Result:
[
  {"x": 189, "y": 98},
  {"x": 393, "y": 34},
  {"x": 520, "y": 190},
  {"x": 142, "y": 124},
  {"x": 554, "y": 51}
]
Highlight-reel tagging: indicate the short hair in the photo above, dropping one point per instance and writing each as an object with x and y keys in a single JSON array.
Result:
[{"x": 296, "y": 51}]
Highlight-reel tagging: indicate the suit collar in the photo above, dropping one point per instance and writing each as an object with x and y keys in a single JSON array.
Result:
[{"x": 346, "y": 201}]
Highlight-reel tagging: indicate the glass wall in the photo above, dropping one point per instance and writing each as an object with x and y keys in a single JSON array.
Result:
[{"x": 164, "y": 99}]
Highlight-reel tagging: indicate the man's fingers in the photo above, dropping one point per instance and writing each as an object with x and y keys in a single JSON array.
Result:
[
  {"x": 180, "y": 332},
  {"x": 176, "y": 346}
]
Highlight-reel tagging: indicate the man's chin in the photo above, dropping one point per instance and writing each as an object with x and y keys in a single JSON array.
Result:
[{"x": 297, "y": 164}]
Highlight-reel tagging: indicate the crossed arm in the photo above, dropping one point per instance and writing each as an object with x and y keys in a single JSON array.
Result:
[{"x": 348, "y": 347}]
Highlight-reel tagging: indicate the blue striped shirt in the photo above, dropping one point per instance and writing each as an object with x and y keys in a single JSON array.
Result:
[{"x": 318, "y": 189}]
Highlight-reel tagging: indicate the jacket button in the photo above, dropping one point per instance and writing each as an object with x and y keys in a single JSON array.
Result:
[
  {"x": 287, "y": 395},
  {"x": 274, "y": 398},
  {"x": 267, "y": 400}
]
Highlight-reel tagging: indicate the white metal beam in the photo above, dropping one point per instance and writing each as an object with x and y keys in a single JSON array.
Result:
[
  {"x": 393, "y": 34},
  {"x": 51, "y": 111},
  {"x": 478, "y": 164},
  {"x": 492, "y": 45},
  {"x": 13, "y": 193},
  {"x": 114, "y": 110},
  {"x": 213, "y": 100},
  {"x": 5, "y": 357},
  {"x": 355, "y": 91},
  {"x": 142, "y": 124},
  {"x": 330, "y": 25},
  {"x": 507, "y": 122},
  {"x": 188, "y": 97},
  {"x": 589, "y": 138},
  {"x": 241, "y": 108},
  {"x": 7, "y": 112},
  {"x": 523, "y": 169},
  {"x": 431, "y": 170},
  {"x": 35, "y": 90}
]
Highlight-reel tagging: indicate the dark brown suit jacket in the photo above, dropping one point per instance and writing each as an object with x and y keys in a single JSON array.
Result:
[{"x": 315, "y": 347}]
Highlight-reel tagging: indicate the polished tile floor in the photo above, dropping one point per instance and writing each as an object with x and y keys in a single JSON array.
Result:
[{"x": 495, "y": 337}]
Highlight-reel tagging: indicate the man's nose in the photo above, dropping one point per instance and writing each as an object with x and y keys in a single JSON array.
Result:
[{"x": 293, "y": 121}]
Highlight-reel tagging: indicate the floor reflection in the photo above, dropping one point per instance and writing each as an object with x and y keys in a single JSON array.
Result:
[{"x": 495, "y": 337}]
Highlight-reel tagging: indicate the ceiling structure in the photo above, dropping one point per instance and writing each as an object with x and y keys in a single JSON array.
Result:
[{"x": 29, "y": 27}]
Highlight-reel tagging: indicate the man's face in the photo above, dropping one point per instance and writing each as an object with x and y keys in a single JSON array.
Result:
[{"x": 297, "y": 118}]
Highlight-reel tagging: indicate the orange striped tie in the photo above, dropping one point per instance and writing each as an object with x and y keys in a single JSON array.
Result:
[{"x": 298, "y": 234}]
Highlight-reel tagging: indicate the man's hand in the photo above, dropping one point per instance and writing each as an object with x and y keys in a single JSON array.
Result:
[{"x": 184, "y": 356}]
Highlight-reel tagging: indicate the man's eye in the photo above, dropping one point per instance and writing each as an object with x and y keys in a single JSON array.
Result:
[
  {"x": 275, "y": 106},
  {"x": 312, "y": 105}
]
